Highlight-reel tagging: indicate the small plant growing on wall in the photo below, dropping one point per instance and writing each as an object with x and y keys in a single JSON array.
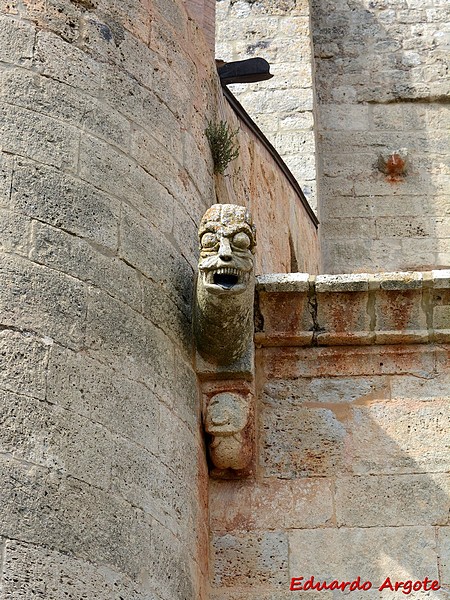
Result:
[{"x": 223, "y": 144}]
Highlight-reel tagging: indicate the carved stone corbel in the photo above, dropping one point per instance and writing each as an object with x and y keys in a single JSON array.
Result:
[{"x": 226, "y": 421}]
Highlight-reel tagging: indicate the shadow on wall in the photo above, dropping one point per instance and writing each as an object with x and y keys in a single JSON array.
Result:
[{"x": 382, "y": 96}]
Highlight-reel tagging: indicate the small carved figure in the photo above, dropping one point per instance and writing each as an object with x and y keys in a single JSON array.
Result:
[
  {"x": 225, "y": 284},
  {"x": 226, "y": 419}
]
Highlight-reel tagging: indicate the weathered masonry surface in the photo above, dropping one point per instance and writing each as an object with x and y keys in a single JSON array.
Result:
[
  {"x": 360, "y": 88},
  {"x": 352, "y": 479},
  {"x": 102, "y": 465},
  {"x": 105, "y": 172}
]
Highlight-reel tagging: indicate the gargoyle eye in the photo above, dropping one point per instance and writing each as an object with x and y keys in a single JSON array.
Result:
[
  {"x": 209, "y": 240},
  {"x": 241, "y": 240}
]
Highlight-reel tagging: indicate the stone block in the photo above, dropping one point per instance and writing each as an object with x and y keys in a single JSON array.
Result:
[
  {"x": 289, "y": 363},
  {"x": 399, "y": 552},
  {"x": 354, "y": 228},
  {"x": 351, "y": 282},
  {"x": 16, "y": 41},
  {"x": 23, "y": 363},
  {"x": 394, "y": 500},
  {"x": 295, "y": 143},
  {"x": 268, "y": 505},
  {"x": 390, "y": 117},
  {"x": 303, "y": 168},
  {"x": 197, "y": 163},
  {"x": 143, "y": 247},
  {"x": 343, "y": 318},
  {"x": 43, "y": 301},
  {"x": 340, "y": 256},
  {"x": 404, "y": 437},
  {"x": 443, "y": 536},
  {"x": 39, "y": 137},
  {"x": 65, "y": 202},
  {"x": 175, "y": 51},
  {"x": 440, "y": 299},
  {"x": 285, "y": 315},
  {"x": 283, "y": 282},
  {"x": 65, "y": 21},
  {"x": 339, "y": 187},
  {"x": 118, "y": 175},
  {"x": 34, "y": 571},
  {"x": 302, "y": 121},
  {"x": 53, "y": 437},
  {"x": 187, "y": 404},
  {"x": 300, "y": 442},
  {"x": 415, "y": 253},
  {"x": 410, "y": 388},
  {"x": 400, "y": 316},
  {"x": 161, "y": 165},
  {"x": 64, "y": 62},
  {"x": 129, "y": 343},
  {"x": 349, "y": 118},
  {"x": 92, "y": 389},
  {"x": 162, "y": 124},
  {"x": 185, "y": 233},
  {"x": 123, "y": 93},
  {"x": 177, "y": 444},
  {"x": 281, "y": 100},
  {"x": 170, "y": 90},
  {"x": 169, "y": 571},
  {"x": 62, "y": 101},
  {"x": 72, "y": 517},
  {"x": 136, "y": 475},
  {"x": 76, "y": 257},
  {"x": 161, "y": 492},
  {"x": 441, "y": 278},
  {"x": 411, "y": 280},
  {"x": 326, "y": 390},
  {"x": 349, "y": 166},
  {"x": 14, "y": 232},
  {"x": 159, "y": 308},
  {"x": 250, "y": 559},
  {"x": 6, "y": 169},
  {"x": 405, "y": 227}
]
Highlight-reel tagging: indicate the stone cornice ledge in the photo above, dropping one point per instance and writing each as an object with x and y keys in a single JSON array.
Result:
[{"x": 297, "y": 309}]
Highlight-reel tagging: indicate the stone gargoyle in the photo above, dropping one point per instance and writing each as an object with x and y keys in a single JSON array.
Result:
[{"x": 223, "y": 319}]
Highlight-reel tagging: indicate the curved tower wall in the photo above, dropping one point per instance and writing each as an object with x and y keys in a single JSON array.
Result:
[{"x": 105, "y": 172}]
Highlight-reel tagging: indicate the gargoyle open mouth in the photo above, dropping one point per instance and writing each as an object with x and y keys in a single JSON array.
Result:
[{"x": 226, "y": 277}]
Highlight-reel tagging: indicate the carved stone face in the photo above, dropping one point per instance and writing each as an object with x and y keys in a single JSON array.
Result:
[
  {"x": 227, "y": 242},
  {"x": 226, "y": 414}
]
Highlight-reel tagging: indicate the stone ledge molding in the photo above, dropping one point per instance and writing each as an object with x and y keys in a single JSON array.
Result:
[{"x": 353, "y": 309}]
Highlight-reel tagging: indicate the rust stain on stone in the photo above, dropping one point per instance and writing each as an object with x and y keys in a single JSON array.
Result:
[{"x": 394, "y": 167}]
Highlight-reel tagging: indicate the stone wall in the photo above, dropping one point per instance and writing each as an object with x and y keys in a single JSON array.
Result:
[
  {"x": 283, "y": 106},
  {"x": 382, "y": 123},
  {"x": 353, "y": 420},
  {"x": 287, "y": 235},
  {"x": 203, "y": 12},
  {"x": 382, "y": 86},
  {"x": 103, "y": 477}
]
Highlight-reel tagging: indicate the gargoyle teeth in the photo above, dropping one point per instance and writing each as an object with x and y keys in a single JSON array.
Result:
[{"x": 227, "y": 271}]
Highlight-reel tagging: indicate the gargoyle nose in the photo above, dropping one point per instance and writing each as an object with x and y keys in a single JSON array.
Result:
[{"x": 225, "y": 252}]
